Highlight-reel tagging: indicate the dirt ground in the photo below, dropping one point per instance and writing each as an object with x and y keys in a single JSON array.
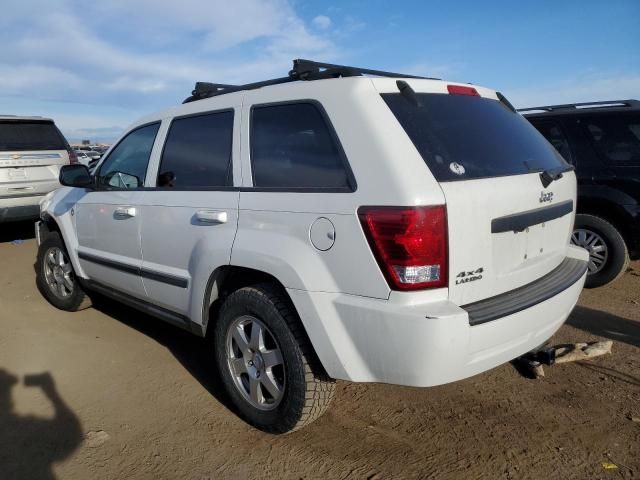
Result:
[{"x": 109, "y": 393}]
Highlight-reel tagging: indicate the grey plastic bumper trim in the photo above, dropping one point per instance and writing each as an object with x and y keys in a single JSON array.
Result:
[{"x": 562, "y": 277}]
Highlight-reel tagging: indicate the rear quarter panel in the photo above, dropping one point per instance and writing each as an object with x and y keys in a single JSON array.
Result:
[{"x": 274, "y": 226}]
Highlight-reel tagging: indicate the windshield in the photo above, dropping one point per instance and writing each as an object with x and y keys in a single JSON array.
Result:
[
  {"x": 463, "y": 137},
  {"x": 30, "y": 135}
]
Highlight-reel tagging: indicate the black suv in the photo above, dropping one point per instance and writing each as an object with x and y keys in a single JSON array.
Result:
[{"x": 602, "y": 140}]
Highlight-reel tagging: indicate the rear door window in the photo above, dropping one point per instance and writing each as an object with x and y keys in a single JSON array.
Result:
[
  {"x": 463, "y": 137},
  {"x": 615, "y": 137},
  {"x": 197, "y": 152},
  {"x": 554, "y": 134},
  {"x": 30, "y": 135},
  {"x": 294, "y": 147}
]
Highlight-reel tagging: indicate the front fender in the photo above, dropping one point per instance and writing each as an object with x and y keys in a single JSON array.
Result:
[{"x": 59, "y": 206}]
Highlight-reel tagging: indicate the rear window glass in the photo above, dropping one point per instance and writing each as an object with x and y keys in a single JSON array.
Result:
[
  {"x": 555, "y": 136},
  {"x": 292, "y": 146},
  {"x": 30, "y": 136},
  {"x": 616, "y": 137},
  {"x": 462, "y": 137}
]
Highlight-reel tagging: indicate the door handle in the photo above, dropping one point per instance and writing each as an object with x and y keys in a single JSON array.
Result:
[
  {"x": 125, "y": 212},
  {"x": 211, "y": 217}
]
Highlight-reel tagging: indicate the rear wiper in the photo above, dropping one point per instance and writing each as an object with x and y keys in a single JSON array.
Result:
[
  {"x": 551, "y": 174},
  {"x": 505, "y": 102},
  {"x": 407, "y": 92}
]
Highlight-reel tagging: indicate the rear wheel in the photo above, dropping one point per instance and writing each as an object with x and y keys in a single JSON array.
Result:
[
  {"x": 265, "y": 361},
  {"x": 608, "y": 254},
  {"x": 55, "y": 277}
]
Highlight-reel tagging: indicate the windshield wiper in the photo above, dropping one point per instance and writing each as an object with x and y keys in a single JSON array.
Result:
[{"x": 551, "y": 174}]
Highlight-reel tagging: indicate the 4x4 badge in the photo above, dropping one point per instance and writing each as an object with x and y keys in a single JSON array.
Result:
[
  {"x": 469, "y": 276},
  {"x": 456, "y": 168}
]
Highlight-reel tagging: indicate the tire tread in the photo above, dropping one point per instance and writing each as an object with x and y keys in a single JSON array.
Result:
[
  {"x": 319, "y": 388},
  {"x": 617, "y": 246},
  {"x": 79, "y": 300}
]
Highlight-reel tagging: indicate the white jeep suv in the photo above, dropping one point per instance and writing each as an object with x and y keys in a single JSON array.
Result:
[{"x": 338, "y": 223}]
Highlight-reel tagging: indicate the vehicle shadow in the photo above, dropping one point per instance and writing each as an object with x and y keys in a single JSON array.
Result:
[
  {"x": 17, "y": 231},
  {"x": 606, "y": 325},
  {"x": 29, "y": 445},
  {"x": 194, "y": 353}
]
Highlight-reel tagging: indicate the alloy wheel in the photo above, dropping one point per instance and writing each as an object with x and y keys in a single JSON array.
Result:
[
  {"x": 58, "y": 272},
  {"x": 255, "y": 362}
]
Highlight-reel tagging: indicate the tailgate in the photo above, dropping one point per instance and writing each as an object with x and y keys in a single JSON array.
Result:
[
  {"x": 30, "y": 173},
  {"x": 509, "y": 195},
  {"x": 505, "y": 232},
  {"x": 32, "y": 150}
]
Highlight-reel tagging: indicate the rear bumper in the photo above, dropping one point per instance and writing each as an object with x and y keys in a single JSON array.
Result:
[
  {"x": 424, "y": 344},
  {"x": 514, "y": 301},
  {"x": 20, "y": 208}
]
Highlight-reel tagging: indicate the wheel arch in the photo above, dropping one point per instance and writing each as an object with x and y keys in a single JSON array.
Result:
[
  {"x": 608, "y": 211},
  {"x": 65, "y": 228},
  {"x": 47, "y": 225},
  {"x": 227, "y": 279}
]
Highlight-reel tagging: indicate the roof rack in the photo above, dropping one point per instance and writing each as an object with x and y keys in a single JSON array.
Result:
[
  {"x": 576, "y": 106},
  {"x": 304, "y": 70}
]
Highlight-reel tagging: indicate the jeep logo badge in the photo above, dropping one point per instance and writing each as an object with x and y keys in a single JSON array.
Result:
[
  {"x": 456, "y": 168},
  {"x": 546, "y": 197}
]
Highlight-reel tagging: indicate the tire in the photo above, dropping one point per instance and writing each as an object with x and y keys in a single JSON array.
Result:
[
  {"x": 305, "y": 390},
  {"x": 58, "y": 285},
  {"x": 608, "y": 253}
]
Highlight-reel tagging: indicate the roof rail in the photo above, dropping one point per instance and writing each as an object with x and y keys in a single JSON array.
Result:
[
  {"x": 304, "y": 70},
  {"x": 576, "y": 106}
]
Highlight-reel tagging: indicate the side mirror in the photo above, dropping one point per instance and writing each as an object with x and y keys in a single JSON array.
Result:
[{"x": 76, "y": 176}]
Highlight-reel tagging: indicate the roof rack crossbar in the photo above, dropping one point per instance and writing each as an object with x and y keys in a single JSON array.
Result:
[
  {"x": 569, "y": 106},
  {"x": 302, "y": 70},
  {"x": 306, "y": 69},
  {"x": 202, "y": 87},
  {"x": 208, "y": 90}
]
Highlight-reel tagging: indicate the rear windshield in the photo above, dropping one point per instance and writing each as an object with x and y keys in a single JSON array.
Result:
[
  {"x": 17, "y": 135},
  {"x": 463, "y": 137}
]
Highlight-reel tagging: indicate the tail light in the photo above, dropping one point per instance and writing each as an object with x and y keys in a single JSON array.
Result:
[
  {"x": 73, "y": 158},
  {"x": 462, "y": 90},
  {"x": 409, "y": 243}
]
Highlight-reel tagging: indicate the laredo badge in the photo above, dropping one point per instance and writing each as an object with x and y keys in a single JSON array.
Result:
[{"x": 471, "y": 276}]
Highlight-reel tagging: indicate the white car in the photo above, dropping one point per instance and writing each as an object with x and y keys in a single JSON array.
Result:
[
  {"x": 83, "y": 158},
  {"x": 338, "y": 223},
  {"x": 32, "y": 151}
]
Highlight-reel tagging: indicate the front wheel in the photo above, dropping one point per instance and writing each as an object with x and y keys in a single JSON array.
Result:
[
  {"x": 55, "y": 277},
  {"x": 266, "y": 362},
  {"x": 608, "y": 254}
]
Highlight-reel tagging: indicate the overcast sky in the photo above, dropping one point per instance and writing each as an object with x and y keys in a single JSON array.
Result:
[{"x": 97, "y": 66}]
